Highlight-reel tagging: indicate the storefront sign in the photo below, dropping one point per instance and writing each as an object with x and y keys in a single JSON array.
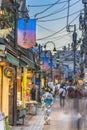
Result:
[{"x": 9, "y": 72}]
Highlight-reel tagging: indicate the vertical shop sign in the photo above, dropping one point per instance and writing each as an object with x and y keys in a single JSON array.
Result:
[
  {"x": 24, "y": 85},
  {"x": 26, "y": 33}
]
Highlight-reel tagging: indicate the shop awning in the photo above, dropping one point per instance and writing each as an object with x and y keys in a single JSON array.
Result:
[
  {"x": 28, "y": 62},
  {"x": 11, "y": 59}
]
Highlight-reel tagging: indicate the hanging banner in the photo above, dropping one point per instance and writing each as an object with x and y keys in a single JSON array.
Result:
[
  {"x": 45, "y": 63},
  {"x": 26, "y": 33},
  {"x": 65, "y": 70}
]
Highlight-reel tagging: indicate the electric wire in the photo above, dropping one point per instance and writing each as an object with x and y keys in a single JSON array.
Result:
[
  {"x": 61, "y": 36},
  {"x": 58, "y": 30},
  {"x": 45, "y": 28},
  {"x": 54, "y": 12},
  {"x": 60, "y": 17},
  {"x": 58, "y": 11},
  {"x": 46, "y": 4},
  {"x": 47, "y": 8}
]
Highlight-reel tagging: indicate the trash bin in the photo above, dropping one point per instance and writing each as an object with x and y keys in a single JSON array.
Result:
[{"x": 2, "y": 122}]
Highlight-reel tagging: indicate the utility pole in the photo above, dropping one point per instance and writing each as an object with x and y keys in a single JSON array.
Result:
[
  {"x": 85, "y": 32},
  {"x": 74, "y": 36}
]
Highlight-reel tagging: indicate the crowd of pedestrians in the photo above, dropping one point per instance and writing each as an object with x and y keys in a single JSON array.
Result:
[{"x": 61, "y": 91}]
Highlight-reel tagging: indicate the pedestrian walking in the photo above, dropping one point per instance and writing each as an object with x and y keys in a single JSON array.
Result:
[
  {"x": 62, "y": 94},
  {"x": 79, "y": 121},
  {"x": 47, "y": 101}
]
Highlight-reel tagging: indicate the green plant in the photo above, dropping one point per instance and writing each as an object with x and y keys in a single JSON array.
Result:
[
  {"x": 8, "y": 17},
  {"x": 6, "y": 123}
]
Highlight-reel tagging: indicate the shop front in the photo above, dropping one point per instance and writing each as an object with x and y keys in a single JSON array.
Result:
[{"x": 8, "y": 65}]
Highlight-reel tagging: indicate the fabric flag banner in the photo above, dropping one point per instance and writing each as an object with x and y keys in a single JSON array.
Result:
[
  {"x": 65, "y": 70},
  {"x": 26, "y": 33},
  {"x": 46, "y": 65}
]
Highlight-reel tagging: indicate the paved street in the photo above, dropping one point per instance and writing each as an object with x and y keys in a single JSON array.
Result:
[
  {"x": 66, "y": 118},
  {"x": 61, "y": 118}
]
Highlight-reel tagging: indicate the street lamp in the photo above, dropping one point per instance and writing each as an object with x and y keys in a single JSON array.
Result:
[
  {"x": 54, "y": 50},
  {"x": 39, "y": 63},
  {"x": 53, "y": 53}
]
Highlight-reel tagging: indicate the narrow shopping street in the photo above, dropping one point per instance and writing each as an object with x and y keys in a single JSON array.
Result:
[
  {"x": 61, "y": 118},
  {"x": 66, "y": 118}
]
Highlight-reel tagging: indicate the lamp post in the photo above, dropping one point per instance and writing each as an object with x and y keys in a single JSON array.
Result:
[
  {"x": 40, "y": 51},
  {"x": 54, "y": 52}
]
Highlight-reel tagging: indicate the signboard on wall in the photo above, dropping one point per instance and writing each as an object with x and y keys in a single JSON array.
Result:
[
  {"x": 9, "y": 72},
  {"x": 26, "y": 33}
]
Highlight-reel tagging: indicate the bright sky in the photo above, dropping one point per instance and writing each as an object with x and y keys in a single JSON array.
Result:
[{"x": 51, "y": 16}]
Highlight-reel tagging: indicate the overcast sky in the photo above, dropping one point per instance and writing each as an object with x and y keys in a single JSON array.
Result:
[{"x": 51, "y": 20}]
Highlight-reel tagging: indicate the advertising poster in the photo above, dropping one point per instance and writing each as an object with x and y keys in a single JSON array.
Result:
[{"x": 26, "y": 33}]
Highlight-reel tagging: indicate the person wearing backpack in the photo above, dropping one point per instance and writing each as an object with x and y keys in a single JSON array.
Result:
[{"x": 62, "y": 94}]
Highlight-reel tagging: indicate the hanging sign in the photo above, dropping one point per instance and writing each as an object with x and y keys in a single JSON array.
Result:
[
  {"x": 9, "y": 72},
  {"x": 26, "y": 33}
]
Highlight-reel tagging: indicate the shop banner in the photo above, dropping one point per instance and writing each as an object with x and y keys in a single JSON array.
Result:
[
  {"x": 45, "y": 63},
  {"x": 26, "y": 33},
  {"x": 65, "y": 70}
]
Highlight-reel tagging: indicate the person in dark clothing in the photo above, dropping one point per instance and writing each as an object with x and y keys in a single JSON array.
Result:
[
  {"x": 33, "y": 93},
  {"x": 62, "y": 94}
]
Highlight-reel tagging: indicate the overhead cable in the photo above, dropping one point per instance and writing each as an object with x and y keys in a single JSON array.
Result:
[
  {"x": 59, "y": 17},
  {"x": 47, "y": 4},
  {"x": 47, "y": 8},
  {"x": 58, "y": 11},
  {"x": 45, "y": 28},
  {"x": 58, "y": 31}
]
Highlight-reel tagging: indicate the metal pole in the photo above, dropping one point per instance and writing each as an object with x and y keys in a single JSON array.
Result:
[
  {"x": 85, "y": 33},
  {"x": 68, "y": 13},
  {"x": 74, "y": 48},
  {"x": 51, "y": 68},
  {"x": 15, "y": 78},
  {"x": 39, "y": 98}
]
